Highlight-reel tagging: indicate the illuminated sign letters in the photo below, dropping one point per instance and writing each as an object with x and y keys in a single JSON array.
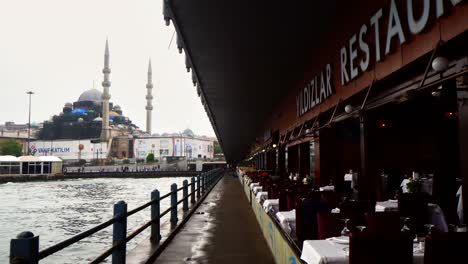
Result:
[{"x": 416, "y": 23}]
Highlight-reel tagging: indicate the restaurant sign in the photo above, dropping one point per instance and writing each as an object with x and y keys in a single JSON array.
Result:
[
  {"x": 315, "y": 91},
  {"x": 372, "y": 44}
]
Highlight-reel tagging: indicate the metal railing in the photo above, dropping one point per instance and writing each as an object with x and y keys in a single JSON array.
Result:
[{"x": 24, "y": 248}]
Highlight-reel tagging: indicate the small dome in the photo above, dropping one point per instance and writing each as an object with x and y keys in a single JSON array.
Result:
[
  {"x": 68, "y": 105},
  {"x": 92, "y": 95},
  {"x": 188, "y": 132},
  {"x": 79, "y": 112},
  {"x": 117, "y": 108}
]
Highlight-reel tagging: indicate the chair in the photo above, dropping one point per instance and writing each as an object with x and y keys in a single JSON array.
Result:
[
  {"x": 282, "y": 200},
  {"x": 328, "y": 225},
  {"x": 383, "y": 222},
  {"x": 366, "y": 248},
  {"x": 446, "y": 248},
  {"x": 273, "y": 191},
  {"x": 291, "y": 199},
  {"x": 330, "y": 197},
  {"x": 306, "y": 218},
  {"x": 414, "y": 206},
  {"x": 355, "y": 210}
]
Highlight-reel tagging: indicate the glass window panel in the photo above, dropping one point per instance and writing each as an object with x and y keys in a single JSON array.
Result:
[{"x": 312, "y": 159}]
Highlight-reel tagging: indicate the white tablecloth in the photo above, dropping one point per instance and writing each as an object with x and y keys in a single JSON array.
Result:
[
  {"x": 435, "y": 213},
  {"x": 327, "y": 188},
  {"x": 287, "y": 220},
  {"x": 328, "y": 252},
  {"x": 323, "y": 252},
  {"x": 257, "y": 189},
  {"x": 261, "y": 195},
  {"x": 387, "y": 206},
  {"x": 253, "y": 184},
  {"x": 271, "y": 205}
]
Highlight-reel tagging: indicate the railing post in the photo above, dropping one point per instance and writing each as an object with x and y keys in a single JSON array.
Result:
[
  {"x": 203, "y": 178},
  {"x": 192, "y": 190},
  {"x": 174, "y": 203},
  {"x": 120, "y": 233},
  {"x": 155, "y": 212},
  {"x": 185, "y": 195},
  {"x": 24, "y": 248},
  {"x": 198, "y": 186}
]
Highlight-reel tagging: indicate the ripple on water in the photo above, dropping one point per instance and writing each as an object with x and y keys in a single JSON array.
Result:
[{"x": 57, "y": 210}]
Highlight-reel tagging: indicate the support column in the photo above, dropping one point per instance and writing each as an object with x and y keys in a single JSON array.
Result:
[
  {"x": 463, "y": 147},
  {"x": 304, "y": 156},
  {"x": 281, "y": 161},
  {"x": 364, "y": 180}
]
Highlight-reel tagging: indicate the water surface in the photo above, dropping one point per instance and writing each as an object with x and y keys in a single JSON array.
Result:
[{"x": 57, "y": 210}]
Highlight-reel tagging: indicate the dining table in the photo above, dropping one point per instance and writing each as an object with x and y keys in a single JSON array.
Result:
[
  {"x": 335, "y": 250},
  {"x": 435, "y": 214},
  {"x": 271, "y": 205},
  {"x": 287, "y": 220},
  {"x": 260, "y": 196}
]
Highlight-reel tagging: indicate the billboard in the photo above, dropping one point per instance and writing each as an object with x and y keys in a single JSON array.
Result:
[
  {"x": 160, "y": 147},
  {"x": 69, "y": 149}
]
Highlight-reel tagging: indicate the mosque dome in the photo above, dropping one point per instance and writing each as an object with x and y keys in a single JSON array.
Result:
[
  {"x": 68, "y": 105},
  {"x": 188, "y": 132},
  {"x": 93, "y": 95},
  {"x": 117, "y": 108}
]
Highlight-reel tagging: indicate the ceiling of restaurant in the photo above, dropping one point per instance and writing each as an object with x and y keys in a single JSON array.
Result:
[{"x": 247, "y": 54}]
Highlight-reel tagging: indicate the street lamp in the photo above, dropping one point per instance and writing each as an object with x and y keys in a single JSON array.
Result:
[{"x": 29, "y": 120}]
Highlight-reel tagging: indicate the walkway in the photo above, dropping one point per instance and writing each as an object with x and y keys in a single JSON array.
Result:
[{"x": 223, "y": 230}]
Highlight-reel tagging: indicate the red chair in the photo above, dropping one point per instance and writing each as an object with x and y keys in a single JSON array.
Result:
[
  {"x": 366, "y": 248},
  {"x": 306, "y": 218},
  {"x": 414, "y": 206},
  {"x": 355, "y": 210},
  {"x": 291, "y": 199},
  {"x": 383, "y": 222},
  {"x": 273, "y": 191},
  {"x": 283, "y": 200},
  {"x": 446, "y": 248},
  {"x": 329, "y": 225}
]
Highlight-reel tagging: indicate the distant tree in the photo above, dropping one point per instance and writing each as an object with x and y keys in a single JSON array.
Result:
[
  {"x": 10, "y": 147},
  {"x": 150, "y": 158},
  {"x": 217, "y": 148}
]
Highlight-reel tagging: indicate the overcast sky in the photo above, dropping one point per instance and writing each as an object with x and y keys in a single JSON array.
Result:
[{"x": 56, "y": 49}]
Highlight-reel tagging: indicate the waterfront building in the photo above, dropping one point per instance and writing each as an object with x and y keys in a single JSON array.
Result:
[
  {"x": 30, "y": 165},
  {"x": 185, "y": 145}
]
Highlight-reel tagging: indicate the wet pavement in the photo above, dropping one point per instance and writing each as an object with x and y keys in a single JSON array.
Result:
[{"x": 222, "y": 230}]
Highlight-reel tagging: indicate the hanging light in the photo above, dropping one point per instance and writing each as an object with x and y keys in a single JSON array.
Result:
[
  {"x": 180, "y": 45},
  {"x": 349, "y": 108},
  {"x": 188, "y": 65},
  {"x": 440, "y": 64},
  {"x": 194, "y": 78},
  {"x": 274, "y": 145},
  {"x": 166, "y": 12}
]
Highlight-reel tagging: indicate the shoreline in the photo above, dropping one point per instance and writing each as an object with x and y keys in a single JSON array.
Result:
[{"x": 92, "y": 175}]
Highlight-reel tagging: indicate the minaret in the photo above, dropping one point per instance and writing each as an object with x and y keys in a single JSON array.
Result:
[
  {"x": 149, "y": 99},
  {"x": 105, "y": 133}
]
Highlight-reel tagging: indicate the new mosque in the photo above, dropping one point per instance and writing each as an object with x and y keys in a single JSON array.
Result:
[{"x": 95, "y": 128}]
